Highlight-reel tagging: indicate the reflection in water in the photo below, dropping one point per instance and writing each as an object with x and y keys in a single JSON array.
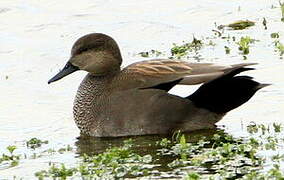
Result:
[
  {"x": 143, "y": 145},
  {"x": 93, "y": 145}
]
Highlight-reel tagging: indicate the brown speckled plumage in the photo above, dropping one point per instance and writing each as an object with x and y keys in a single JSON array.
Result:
[
  {"x": 100, "y": 109},
  {"x": 135, "y": 101}
]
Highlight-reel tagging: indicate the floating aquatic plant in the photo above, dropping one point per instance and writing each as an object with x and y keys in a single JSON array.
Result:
[
  {"x": 10, "y": 158},
  {"x": 282, "y": 10},
  {"x": 244, "y": 44},
  {"x": 151, "y": 53},
  {"x": 179, "y": 51},
  {"x": 35, "y": 143},
  {"x": 274, "y": 35},
  {"x": 238, "y": 25},
  {"x": 280, "y": 47}
]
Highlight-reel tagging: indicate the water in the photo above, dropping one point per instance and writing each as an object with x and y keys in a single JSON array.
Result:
[{"x": 36, "y": 38}]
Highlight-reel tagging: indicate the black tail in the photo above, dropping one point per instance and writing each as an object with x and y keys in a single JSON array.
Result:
[{"x": 226, "y": 92}]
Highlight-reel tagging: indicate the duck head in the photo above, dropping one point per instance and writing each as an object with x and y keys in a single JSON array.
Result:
[{"x": 95, "y": 53}]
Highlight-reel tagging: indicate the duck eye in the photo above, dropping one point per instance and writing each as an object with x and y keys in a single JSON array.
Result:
[{"x": 81, "y": 50}]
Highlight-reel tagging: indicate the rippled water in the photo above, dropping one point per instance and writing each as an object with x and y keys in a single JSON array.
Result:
[{"x": 36, "y": 37}]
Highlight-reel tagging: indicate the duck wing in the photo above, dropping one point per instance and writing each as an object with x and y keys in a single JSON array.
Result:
[{"x": 155, "y": 73}]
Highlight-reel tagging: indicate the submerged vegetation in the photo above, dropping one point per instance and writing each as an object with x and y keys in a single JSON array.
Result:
[{"x": 219, "y": 156}]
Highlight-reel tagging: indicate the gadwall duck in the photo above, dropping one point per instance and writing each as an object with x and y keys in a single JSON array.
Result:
[{"x": 113, "y": 102}]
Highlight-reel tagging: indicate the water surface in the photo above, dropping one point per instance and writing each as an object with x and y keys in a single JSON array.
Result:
[{"x": 36, "y": 38}]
